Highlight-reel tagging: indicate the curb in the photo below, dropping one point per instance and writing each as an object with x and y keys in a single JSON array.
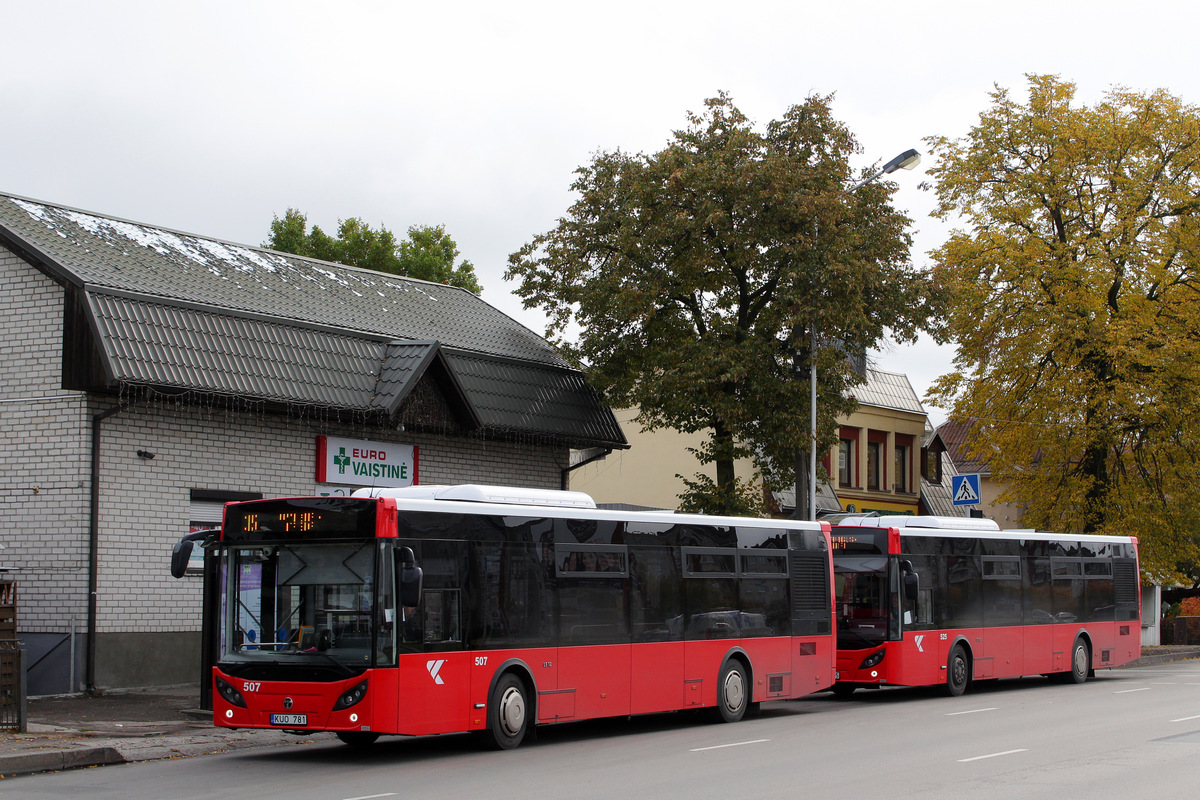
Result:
[
  {"x": 53, "y": 760},
  {"x": 1163, "y": 658}
]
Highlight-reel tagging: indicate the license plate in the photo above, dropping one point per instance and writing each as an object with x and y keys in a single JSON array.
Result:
[{"x": 289, "y": 719}]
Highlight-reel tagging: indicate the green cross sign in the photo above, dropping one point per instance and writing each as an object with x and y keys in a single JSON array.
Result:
[{"x": 342, "y": 460}]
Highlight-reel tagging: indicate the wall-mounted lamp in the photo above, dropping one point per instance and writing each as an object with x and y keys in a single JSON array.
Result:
[{"x": 146, "y": 454}]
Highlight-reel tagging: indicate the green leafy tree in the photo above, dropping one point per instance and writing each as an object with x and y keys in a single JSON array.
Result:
[
  {"x": 695, "y": 276},
  {"x": 428, "y": 253},
  {"x": 1076, "y": 309}
]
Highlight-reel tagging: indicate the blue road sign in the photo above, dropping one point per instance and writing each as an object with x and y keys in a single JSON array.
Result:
[{"x": 964, "y": 489}]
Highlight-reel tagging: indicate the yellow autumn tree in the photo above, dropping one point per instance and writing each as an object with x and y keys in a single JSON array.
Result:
[{"x": 1076, "y": 311}]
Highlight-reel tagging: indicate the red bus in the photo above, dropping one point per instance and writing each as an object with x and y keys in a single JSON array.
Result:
[
  {"x": 433, "y": 610},
  {"x": 925, "y": 601}
]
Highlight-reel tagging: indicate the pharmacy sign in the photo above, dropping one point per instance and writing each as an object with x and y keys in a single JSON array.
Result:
[{"x": 363, "y": 463}]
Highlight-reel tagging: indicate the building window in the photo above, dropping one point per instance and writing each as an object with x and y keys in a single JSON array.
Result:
[
  {"x": 846, "y": 462},
  {"x": 874, "y": 466},
  {"x": 931, "y": 465},
  {"x": 901, "y": 484},
  {"x": 903, "y": 466}
]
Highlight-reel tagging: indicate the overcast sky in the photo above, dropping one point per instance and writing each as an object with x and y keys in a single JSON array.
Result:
[{"x": 212, "y": 117}]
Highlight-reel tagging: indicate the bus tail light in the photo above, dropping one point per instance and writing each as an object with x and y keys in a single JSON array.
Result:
[
  {"x": 231, "y": 695},
  {"x": 351, "y": 696},
  {"x": 872, "y": 660}
]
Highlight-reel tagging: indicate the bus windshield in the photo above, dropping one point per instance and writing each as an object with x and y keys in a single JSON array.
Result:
[
  {"x": 865, "y": 613},
  {"x": 308, "y": 602}
]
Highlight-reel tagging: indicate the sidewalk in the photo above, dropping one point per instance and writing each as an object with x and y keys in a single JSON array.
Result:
[
  {"x": 163, "y": 722},
  {"x": 119, "y": 726}
]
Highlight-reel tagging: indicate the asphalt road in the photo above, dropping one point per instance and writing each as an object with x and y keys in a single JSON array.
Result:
[{"x": 1127, "y": 733}]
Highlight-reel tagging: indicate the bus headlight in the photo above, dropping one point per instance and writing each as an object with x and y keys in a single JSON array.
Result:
[
  {"x": 351, "y": 696},
  {"x": 871, "y": 660},
  {"x": 231, "y": 695}
]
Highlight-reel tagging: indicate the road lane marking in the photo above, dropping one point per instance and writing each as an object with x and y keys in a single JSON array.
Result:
[
  {"x": 993, "y": 755},
  {"x": 972, "y": 711},
  {"x": 1127, "y": 691},
  {"x": 372, "y": 796},
  {"x": 734, "y": 744},
  {"x": 1185, "y": 719}
]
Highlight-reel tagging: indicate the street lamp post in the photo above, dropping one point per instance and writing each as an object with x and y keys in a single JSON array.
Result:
[{"x": 906, "y": 160}]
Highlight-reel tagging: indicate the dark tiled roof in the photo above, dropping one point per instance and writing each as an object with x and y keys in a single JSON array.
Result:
[
  {"x": 186, "y": 348},
  {"x": 102, "y": 252},
  {"x": 958, "y": 434},
  {"x": 523, "y": 396},
  {"x": 181, "y": 312}
]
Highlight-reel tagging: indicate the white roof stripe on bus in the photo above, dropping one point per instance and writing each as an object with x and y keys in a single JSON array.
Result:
[
  {"x": 559, "y": 512},
  {"x": 930, "y": 526}
]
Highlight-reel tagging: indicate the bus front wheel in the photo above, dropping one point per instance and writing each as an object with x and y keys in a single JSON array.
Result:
[
  {"x": 958, "y": 671},
  {"x": 733, "y": 692},
  {"x": 508, "y": 713}
]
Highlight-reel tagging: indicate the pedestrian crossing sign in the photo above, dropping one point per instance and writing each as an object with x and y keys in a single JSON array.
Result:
[{"x": 965, "y": 490}]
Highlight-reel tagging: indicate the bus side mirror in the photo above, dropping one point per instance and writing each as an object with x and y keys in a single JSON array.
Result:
[
  {"x": 411, "y": 578},
  {"x": 181, "y": 553},
  {"x": 912, "y": 584}
]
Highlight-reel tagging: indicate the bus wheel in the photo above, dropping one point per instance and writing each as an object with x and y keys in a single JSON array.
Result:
[
  {"x": 732, "y": 692},
  {"x": 358, "y": 739},
  {"x": 958, "y": 672},
  {"x": 1081, "y": 661},
  {"x": 507, "y": 713}
]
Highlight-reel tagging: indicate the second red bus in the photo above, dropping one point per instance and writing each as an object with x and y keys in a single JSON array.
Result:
[{"x": 926, "y": 601}]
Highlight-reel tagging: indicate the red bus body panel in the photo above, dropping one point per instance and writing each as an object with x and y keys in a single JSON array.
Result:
[
  {"x": 448, "y": 692},
  {"x": 1008, "y": 652}
]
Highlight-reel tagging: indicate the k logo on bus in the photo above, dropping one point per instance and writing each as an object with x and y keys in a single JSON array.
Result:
[
  {"x": 434, "y": 668},
  {"x": 918, "y": 639}
]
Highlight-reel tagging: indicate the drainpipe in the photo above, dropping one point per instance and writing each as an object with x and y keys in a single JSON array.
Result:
[
  {"x": 585, "y": 457},
  {"x": 94, "y": 545}
]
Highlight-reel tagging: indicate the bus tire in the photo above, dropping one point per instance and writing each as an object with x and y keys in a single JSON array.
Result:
[
  {"x": 733, "y": 692},
  {"x": 358, "y": 739},
  {"x": 1081, "y": 661},
  {"x": 508, "y": 713},
  {"x": 958, "y": 671}
]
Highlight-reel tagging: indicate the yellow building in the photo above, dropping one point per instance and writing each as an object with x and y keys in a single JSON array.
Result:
[
  {"x": 645, "y": 474},
  {"x": 877, "y": 464}
]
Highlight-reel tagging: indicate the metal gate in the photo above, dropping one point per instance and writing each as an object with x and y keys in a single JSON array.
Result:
[{"x": 13, "y": 716}]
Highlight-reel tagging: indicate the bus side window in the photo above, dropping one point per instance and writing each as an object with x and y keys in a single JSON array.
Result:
[
  {"x": 442, "y": 619},
  {"x": 918, "y": 611}
]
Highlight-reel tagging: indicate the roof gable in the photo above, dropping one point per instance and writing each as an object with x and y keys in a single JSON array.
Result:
[{"x": 888, "y": 390}]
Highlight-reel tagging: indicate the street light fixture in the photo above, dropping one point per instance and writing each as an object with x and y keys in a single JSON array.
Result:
[{"x": 906, "y": 160}]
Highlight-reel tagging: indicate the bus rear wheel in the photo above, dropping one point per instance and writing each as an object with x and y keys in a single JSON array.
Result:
[
  {"x": 1081, "y": 662},
  {"x": 958, "y": 671},
  {"x": 733, "y": 692},
  {"x": 508, "y": 713}
]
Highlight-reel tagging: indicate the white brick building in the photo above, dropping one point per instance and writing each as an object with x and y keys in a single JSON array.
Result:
[{"x": 190, "y": 372}]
